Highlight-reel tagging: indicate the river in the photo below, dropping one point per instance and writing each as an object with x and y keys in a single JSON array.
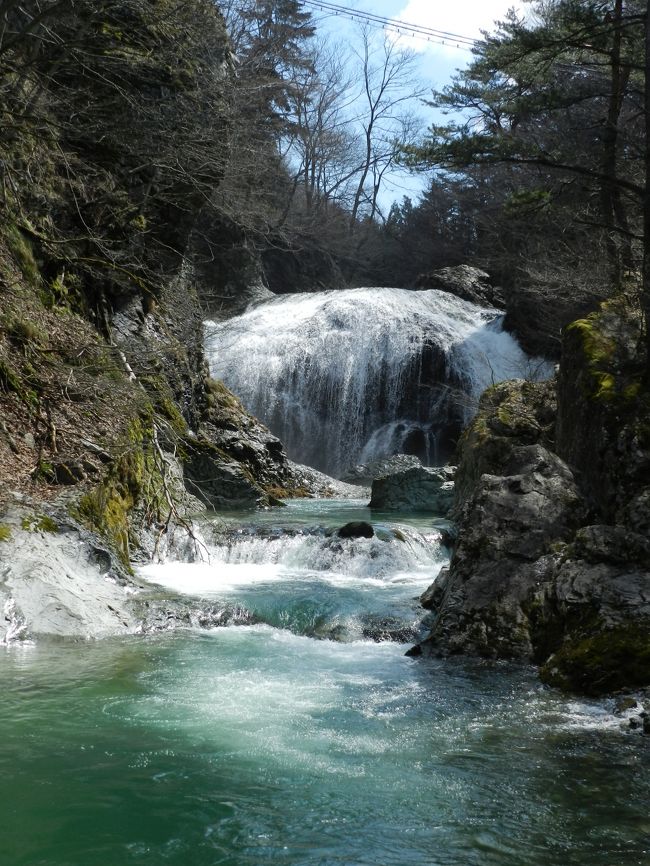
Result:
[{"x": 299, "y": 739}]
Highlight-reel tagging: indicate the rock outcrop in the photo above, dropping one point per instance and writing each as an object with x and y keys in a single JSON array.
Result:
[
  {"x": 552, "y": 561},
  {"x": 58, "y": 581},
  {"x": 365, "y": 473},
  {"x": 466, "y": 282},
  {"x": 108, "y": 417},
  {"x": 417, "y": 488}
]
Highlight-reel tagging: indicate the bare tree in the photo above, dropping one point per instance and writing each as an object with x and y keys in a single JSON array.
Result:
[
  {"x": 388, "y": 85},
  {"x": 320, "y": 147}
]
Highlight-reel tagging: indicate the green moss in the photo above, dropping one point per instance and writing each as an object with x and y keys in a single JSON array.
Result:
[
  {"x": 222, "y": 395},
  {"x": 64, "y": 292},
  {"x": 135, "y": 480},
  {"x": 597, "y": 347},
  {"x": 631, "y": 391},
  {"x": 163, "y": 404},
  {"x": 23, "y": 333},
  {"x": 170, "y": 411},
  {"x": 9, "y": 379},
  {"x": 609, "y": 660},
  {"x": 106, "y": 509},
  {"x": 139, "y": 223},
  {"x": 5, "y": 532},
  {"x": 606, "y": 380},
  {"x": 41, "y": 523},
  {"x": 605, "y": 386},
  {"x": 112, "y": 32},
  {"x": 46, "y": 470},
  {"x": 23, "y": 254}
]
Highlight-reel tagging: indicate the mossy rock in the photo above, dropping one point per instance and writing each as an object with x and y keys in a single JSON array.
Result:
[
  {"x": 23, "y": 254},
  {"x": 598, "y": 347},
  {"x": 614, "y": 658},
  {"x": 39, "y": 523},
  {"x": 133, "y": 477},
  {"x": 5, "y": 532},
  {"x": 607, "y": 341}
]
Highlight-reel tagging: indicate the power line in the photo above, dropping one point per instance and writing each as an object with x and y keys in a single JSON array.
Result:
[{"x": 430, "y": 34}]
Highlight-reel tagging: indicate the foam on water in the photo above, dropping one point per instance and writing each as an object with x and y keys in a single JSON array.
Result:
[
  {"x": 356, "y": 374},
  {"x": 254, "y": 745},
  {"x": 312, "y": 582}
]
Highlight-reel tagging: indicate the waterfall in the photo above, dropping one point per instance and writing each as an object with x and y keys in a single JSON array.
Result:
[{"x": 348, "y": 376}]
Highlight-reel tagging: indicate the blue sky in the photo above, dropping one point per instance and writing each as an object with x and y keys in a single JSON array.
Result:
[
  {"x": 467, "y": 17},
  {"x": 437, "y": 63}
]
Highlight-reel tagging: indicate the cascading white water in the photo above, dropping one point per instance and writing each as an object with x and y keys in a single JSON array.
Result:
[{"x": 344, "y": 376}]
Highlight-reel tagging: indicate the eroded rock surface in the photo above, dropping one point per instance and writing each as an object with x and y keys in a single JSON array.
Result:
[
  {"x": 466, "y": 282},
  {"x": 552, "y": 560},
  {"x": 56, "y": 581},
  {"x": 365, "y": 473},
  {"x": 416, "y": 488}
]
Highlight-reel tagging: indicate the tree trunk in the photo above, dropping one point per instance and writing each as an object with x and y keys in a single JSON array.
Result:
[
  {"x": 645, "y": 287},
  {"x": 618, "y": 244}
]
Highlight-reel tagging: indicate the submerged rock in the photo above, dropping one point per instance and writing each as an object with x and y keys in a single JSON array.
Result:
[
  {"x": 387, "y": 628},
  {"x": 417, "y": 488},
  {"x": 170, "y": 614},
  {"x": 356, "y": 529}
]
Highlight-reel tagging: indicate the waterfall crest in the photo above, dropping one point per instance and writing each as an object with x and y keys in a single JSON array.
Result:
[{"x": 348, "y": 376}]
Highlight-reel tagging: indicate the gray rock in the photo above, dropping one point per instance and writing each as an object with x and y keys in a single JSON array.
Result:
[
  {"x": 431, "y": 598},
  {"x": 170, "y": 614},
  {"x": 60, "y": 584},
  {"x": 624, "y": 704},
  {"x": 466, "y": 282},
  {"x": 502, "y": 555},
  {"x": 219, "y": 484},
  {"x": 386, "y": 628},
  {"x": 317, "y": 483},
  {"x": 636, "y": 513},
  {"x": 612, "y": 544},
  {"x": 365, "y": 473},
  {"x": 416, "y": 489}
]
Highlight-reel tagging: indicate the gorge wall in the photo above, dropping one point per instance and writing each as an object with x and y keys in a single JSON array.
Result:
[
  {"x": 110, "y": 426},
  {"x": 552, "y": 560}
]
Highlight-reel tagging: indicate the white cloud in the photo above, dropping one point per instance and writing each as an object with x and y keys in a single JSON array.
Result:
[{"x": 464, "y": 17}]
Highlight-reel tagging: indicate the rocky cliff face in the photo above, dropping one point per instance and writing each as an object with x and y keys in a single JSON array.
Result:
[
  {"x": 110, "y": 425},
  {"x": 552, "y": 561}
]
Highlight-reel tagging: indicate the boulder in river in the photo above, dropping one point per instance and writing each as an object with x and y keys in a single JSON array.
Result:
[
  {"x": 548, "y": 566},
  {"x": 417, "y": 488},
  {"x": 365, "y": 473},
  {"x": 356, "y": 529}
]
